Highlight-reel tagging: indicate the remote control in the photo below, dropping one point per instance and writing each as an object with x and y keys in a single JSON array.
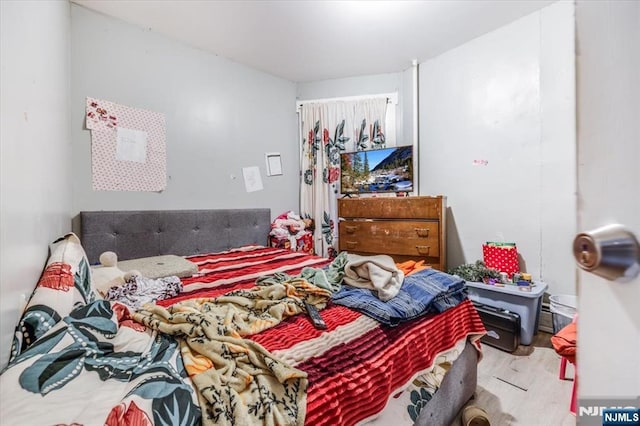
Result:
[{"x": 317, "y": 320}]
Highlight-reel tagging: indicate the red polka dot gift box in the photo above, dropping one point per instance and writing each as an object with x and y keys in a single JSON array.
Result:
[{"x": 501, "y": 256}]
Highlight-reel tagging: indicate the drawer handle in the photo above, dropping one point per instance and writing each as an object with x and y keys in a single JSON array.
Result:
[
  {"x": 422, "y": 232},
  {"x": 351, "y": 244},
  {"x": 350, "y": 229},
  {"x": 423, "y": 250}
]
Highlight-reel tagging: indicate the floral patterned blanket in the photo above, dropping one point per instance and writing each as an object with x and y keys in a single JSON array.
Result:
[
  {"x": 78, "y": 359},
  {"x": 97, "y": 366}
]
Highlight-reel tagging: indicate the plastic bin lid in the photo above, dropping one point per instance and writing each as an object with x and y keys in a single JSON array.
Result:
[{"x": 536, "y": 290}]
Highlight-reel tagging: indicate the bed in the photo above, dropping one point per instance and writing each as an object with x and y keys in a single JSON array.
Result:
[{"x": 79, "y": 359}]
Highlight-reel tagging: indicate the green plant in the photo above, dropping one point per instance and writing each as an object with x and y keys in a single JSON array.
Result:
[{"x": 475, "y": 272}]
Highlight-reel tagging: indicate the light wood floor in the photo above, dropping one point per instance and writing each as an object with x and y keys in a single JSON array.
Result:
[{"x": 523, "y": 388}]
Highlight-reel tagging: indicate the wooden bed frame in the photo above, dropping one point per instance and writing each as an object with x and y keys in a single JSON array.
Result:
[{"x": 135, "y": 234}]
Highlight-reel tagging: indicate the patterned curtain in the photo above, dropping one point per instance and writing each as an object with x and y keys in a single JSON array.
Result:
[{"x": 328, "y": 129}]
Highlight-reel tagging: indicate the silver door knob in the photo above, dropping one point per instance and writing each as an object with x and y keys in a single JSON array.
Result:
[{"x": 611, "y": 252}]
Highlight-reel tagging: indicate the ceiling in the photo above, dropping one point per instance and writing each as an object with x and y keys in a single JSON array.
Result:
[{"x": 309, "y": 40}]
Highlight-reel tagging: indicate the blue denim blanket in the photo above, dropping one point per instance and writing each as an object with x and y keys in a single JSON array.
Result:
[{"x": 422, "y": 292}]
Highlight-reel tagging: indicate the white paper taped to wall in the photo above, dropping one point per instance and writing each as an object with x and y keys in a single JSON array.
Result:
[
  {"x": 131, "y": 145},
  {"x": 274, "y": 165},
  {"x": 252, "y": 179}
]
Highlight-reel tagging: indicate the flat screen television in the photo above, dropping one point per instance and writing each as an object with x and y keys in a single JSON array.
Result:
[{"x": 377, "y": 170}]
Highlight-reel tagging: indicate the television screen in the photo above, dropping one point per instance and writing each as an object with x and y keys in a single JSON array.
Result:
[{"x": 377, "y": 170}]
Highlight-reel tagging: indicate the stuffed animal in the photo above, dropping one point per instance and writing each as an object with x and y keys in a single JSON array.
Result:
[
  {"x": 288, "y": 222},
  {"x": 107, "y": 274},
  {"x": 108, "y": 259},
  {"x": 308, "y": 224},
  {"x": 290, "y": 227}
]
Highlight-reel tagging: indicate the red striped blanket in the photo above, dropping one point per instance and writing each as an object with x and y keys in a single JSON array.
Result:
[{"x": 356, "y": 364}]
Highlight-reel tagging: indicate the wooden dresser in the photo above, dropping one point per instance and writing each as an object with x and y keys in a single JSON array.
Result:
[{"x": 404, "y": 228}]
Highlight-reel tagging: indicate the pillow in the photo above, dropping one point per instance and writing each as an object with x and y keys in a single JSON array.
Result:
[
  {"x": 64, "y": 285},
  {"x": 160, "y": 266}
]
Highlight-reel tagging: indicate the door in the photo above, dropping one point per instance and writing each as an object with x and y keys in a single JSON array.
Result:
[{"x": 608, "y": 111}]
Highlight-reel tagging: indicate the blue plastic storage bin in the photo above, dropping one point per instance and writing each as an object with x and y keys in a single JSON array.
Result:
[{"x": 510, "y": 297}]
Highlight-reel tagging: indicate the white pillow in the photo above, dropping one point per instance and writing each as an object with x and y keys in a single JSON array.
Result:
[{"x": 160, "y": 266}]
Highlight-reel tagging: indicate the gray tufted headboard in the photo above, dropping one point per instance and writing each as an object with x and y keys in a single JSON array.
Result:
[{"x": 135, "y": 234}]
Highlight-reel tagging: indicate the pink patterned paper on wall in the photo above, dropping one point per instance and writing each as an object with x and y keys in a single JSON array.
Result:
[{"x": 128, "y": 150}]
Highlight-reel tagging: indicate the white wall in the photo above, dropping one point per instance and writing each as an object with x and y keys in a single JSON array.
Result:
[
  {"x": 507, "y": 97},
  {"x": 558, "y": 147},
  {"x": 220, "y": 116},
  {"x": 35, "y": 160}
]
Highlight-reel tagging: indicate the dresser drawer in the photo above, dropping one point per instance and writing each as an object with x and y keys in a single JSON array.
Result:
[
  {"x": 391, "y": 208},
  {"x": 410, "y": 238}
]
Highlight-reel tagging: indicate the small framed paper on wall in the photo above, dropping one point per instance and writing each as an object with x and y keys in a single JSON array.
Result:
[{"x": 274, "y": 164}]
